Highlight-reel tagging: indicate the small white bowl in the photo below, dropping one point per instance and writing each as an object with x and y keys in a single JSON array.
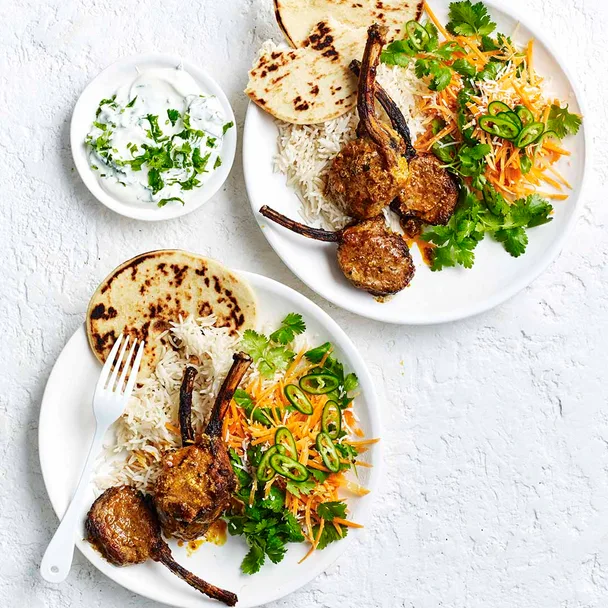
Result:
[{"x": 105, "y": 85}]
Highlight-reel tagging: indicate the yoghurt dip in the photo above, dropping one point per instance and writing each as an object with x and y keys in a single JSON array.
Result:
[{"x": 158, "y": 139}]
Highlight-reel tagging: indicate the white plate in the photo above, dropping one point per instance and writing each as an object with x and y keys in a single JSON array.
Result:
[
  {"x": 66, "y": 428},
  {"x": 105, "y": 85},
  {"x": 432, "y": 297}
]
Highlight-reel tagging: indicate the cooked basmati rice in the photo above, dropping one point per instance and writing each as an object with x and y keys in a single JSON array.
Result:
[
  {"x": 142, "y": 433},
  {"x": 305, "y": 151}
]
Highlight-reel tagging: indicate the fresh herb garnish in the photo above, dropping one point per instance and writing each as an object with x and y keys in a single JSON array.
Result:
[
  {"x": 291, "y": 326},
  {"x": 173, "y": 116},
  {"x": 475, "y": 217},
  {"x": 468, "y": 19},
  {"x": 132, "y": 102},
  {"x": 265, "y": 523},
  {"x": 163, "y": 201},
  {"x": 227, "y": 126},
  {"x": 562, "y": 122},
  {"x": 329, "y": 510}
]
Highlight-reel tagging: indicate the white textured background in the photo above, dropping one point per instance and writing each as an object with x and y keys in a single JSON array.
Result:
[{"x": 496, "y": 427}]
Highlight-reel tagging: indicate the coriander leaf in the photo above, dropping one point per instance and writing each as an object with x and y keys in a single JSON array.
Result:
[
  {"x": 275, "y": 501},
  {"x": 227, "y": 126},
  {"x": 154, "y": 132},
  {"x": 269, "y": 359},
  {"x": 291, "y": 528},
  {"x": 275, "y": 549},
  {"x": 279, "y": 357},
  {"x": 173, "y": 116},
  {"x": 218, "y": 163},
  {"x": 514, "y": 240},
  {"x": 155, "y": 181},
  {"x": 291, "y": 326},
  {"x": 163, "y": 201},
  {"x": 199, "y": 162},
  {"x": 329, "y": 510},
  {"x": 190, "y": 183},
  {"x": 490, "y": 71},
  {"x": 132, "y": 102},
  {"x": 563, "y": 122},
  {"x": 329, "y": 535},
  {"x": 320, "y": 476},
  {"x": 464, "y": 67},
  {"x": 442, "y": 76},
  {"x": 300, "y": 487},
  {"x": 254, "y": 344},
  {"x": 261, "y": 415},
  {"x": 254, "y": 559},
  {"x": 351, "y": 382},
  {"x": 468, "y": 19}
]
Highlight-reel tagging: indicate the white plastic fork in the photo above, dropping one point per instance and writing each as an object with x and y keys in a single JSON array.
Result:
[{"x": 109, "y": 402}]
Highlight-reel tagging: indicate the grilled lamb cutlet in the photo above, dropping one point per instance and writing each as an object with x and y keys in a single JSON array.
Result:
[
  {"x": 430, "y": 193},
  {"x": 124, "y": 528},
  {"x": 196, "y": 481},
  {"x": 371, "y": 257},
  {"x": 370, "y": 171}
]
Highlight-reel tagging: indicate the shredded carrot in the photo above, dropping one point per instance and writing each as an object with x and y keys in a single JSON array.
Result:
[
  {"x": 241, "y": 432},
  {"x": 347, "y": 523}
]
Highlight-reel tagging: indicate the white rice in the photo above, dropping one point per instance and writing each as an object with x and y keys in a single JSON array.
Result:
[
  {"x": 305, "y": 151},
  {"x": 155, "y": 403}
]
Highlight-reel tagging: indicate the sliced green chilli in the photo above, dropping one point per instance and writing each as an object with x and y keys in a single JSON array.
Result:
[
  {"x": 331, "y": 419},
  {"x": 495, "y": 107},
  {"x": 319, "y": 384},
  {"x": 530, "y": 134},
  {"x": 525, "y": 163},
  {"x": 328, "y": 452},
  {"x": 498, "y": 125},
  {"x": 265, "y": 472},
  {"x": 289, "y": 467},
  {"x": 298, "y": 399},
  {"x": 526, "y": 116},
  {"x": 514, "y": 118},
  {"x": 284, "y": 438},
  {"x": 417, "y": 35}
]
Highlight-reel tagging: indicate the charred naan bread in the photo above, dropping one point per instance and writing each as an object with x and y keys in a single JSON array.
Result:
[
  {"x": 145, "y": 294},
  {"x": 297, "y": 17},
  {"x": 310, "y": 84}
]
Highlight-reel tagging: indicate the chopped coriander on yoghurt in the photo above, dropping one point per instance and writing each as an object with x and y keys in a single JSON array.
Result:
[{"x": 158, "y": 139}]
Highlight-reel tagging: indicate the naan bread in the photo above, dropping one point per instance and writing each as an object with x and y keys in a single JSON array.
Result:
[
  {"x": 297, "y": 17},
  {"x": 142, "y": 296},
  {"x": 311, "y": 84}
]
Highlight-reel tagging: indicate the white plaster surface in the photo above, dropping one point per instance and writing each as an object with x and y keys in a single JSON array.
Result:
[{"x": 496, "y": 492}]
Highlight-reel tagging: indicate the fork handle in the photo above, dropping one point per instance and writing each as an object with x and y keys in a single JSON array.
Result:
[{"x": 57, "y": 560}]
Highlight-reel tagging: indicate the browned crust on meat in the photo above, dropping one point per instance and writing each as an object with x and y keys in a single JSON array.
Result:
[
  {"x": 194, "y": 488},
  {"x": 374, "y": 259},
  {"x": 431, "y": 192},
  {"x": 121, "y": 526}
]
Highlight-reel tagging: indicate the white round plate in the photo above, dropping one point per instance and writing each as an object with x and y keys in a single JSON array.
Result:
[
  {"x": 66, "y": 429},
  {"x": 432, "y": 297},
  {"x": 105, "y": 85}
]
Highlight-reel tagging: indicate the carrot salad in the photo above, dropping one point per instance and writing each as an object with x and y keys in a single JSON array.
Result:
[
  {"x": 488, "y": 117},
  {"x": 294, "y": 444}
]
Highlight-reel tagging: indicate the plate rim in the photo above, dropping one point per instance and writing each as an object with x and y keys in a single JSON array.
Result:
[
  {"x": 154, "y": 214},
  {"x": 516, "y": 286},
  {"x": 372, "y": 406}
]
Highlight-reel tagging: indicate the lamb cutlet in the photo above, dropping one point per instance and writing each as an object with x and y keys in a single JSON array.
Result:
[
  {"x": 122, "y": 525},
  {"x": 370, "y": 171},
  {"x": 371, "y": 257},
  {"x": 430, "y": 193},
  {"x": 196, "y": 481}
]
